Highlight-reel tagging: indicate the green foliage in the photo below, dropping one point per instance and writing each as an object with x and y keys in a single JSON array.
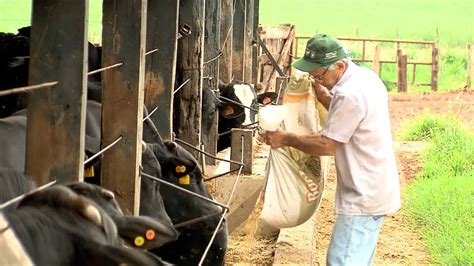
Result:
[
  {"x": 441, "y": 200},
  {"x": 426, "y": 126}
]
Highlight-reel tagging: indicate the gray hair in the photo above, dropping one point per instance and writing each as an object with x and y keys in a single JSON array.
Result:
[{"x": 333, "y": 65}]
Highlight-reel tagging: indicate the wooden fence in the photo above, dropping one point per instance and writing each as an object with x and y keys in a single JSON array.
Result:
[
  {"x": 401, "y": 59},
  {"x": 144, "y": 60}
]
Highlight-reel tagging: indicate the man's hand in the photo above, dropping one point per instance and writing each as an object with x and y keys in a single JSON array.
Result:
[
  {"x": 276, "y": 139},
  {"x": 323, "y": 95}
]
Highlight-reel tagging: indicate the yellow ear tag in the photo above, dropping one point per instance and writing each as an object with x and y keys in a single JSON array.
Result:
[
  {"x": 184, "y": 180},
  {"x": 183, "y": 169},
  {"x": 139, "y": 241},
  {"x": 89, "y": 172}
]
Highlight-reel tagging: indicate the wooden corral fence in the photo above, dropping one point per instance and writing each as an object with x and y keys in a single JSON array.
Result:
[
  {"x": 276, "y": 53},
  {"x": 401, "y": 59},
  {"x": 144, "y": 60}
]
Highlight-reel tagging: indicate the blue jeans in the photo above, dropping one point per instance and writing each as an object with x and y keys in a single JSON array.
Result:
[{"x": 354, "y": 239}]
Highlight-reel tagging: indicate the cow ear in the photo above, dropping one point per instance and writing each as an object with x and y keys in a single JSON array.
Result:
[
  {"x": 221, "y": 85},
  {"x": 267, "y": 97},
  {"x": 231, "y": 110}
]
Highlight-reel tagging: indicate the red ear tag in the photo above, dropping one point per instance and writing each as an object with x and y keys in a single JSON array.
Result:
[{"x": 150, "y": 234}]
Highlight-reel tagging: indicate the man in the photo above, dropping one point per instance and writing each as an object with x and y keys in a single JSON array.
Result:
[{"x": 358, "y": 134}]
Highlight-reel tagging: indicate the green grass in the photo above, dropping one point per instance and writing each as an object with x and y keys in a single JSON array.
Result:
[
  {"x": 441, "y": 200},
  {"x": 450, "y": 22}
]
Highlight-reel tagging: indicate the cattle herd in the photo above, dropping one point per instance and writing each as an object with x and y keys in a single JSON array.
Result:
[{"x": 81, "y": 222}]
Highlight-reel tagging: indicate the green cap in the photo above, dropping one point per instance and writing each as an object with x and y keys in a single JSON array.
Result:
[{"x": 321, "y": 51}]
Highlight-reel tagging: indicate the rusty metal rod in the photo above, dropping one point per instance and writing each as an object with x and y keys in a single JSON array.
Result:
[
  {"x": 219, "y": 175},
  {"x": 185, "y": 190},
  {"x": 203, "y": 152},
  {"x": 29, "y": 88},
  {"x": 104, "y": 68},
  {"x": 180, "y": 86},
  {"x": 103, "y": 150},
  {"x": 151, "y": 51},
  {"x": 196, "y": 220},
  {"x": 240, "y": 104},
  {"x": 6, "y": 204}
]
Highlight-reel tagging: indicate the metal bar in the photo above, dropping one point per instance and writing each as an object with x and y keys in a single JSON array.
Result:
[
  {"x": 104, "y": 68},
  {"x": 196, "y": 220},
  {"x": 210, "y": 155},
  {"x": 103, "y": 150},
  {"x": 150, "y": 114},
  {"x": 228, "y": 202},
  {"x": 219, "y": 175},
  {"x": 272, "y": 60},
  {"x": 151, "y": 51},
  {"x": 180, "y": 86},
  {"x": 29, "y": 88},
  {"x": 4, "y": 205},
  {"x": 214, "y": 58},
  {"x": 185, "y": 190},
  {"x": 240, "y": 104}
]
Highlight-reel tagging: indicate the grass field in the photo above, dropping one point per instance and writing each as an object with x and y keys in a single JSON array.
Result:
[
  {"x": 450, "y": 22},
  {"x": 440, "y": 201}
]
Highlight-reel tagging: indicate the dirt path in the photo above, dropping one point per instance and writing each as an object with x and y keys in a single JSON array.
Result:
[{"x": 399, "y": 242}]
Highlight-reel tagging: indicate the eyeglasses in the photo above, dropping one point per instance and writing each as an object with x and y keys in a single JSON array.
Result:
[{"x": 320, "y": 77}]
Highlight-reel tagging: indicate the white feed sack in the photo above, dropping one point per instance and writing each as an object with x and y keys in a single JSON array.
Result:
[{"x": 295, "y": 180}]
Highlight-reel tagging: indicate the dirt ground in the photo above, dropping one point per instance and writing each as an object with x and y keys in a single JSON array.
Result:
[{"x": 399, "y": 242}]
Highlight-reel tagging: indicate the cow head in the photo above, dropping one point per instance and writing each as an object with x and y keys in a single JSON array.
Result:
[
  {"x": 180, "y": 168},
  {"x": 138, "y": 231}
]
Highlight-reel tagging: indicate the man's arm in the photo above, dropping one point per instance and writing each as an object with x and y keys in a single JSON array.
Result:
[
  {"x": 315, "y": 144},
  {"x": 322, "y": 93}
]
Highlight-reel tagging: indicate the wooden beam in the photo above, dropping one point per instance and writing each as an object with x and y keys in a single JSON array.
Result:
[
  {"x": 249, "y": 40},
  {"x": 401, "y": 71},
  {"x": 256, "y": 19},
  {"x": 226, "y": 41},
  {"x": 469, "y": 67},
  {"x": 190, "y": 66},
  {"x": 237, "y": 147},
  {"x": 211, "y": 67},
  {"x": 435, "y": 69},
  {"x": 160, "y": 67},
  {"x": 56, "y": 116},
  {"x": 239, "y": 40},
  {"x": 376, "y": 63},
  {"x": 123, "y": 40}
]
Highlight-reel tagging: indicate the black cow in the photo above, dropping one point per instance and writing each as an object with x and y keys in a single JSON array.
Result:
[
  {"x": 139, "y": 231},
  {"x": 232, "y": 115},
  {"x": 13, "y": 138},
  {"x": 59, "y": 227},
  {"x": 14, "y": 66},
  {"x": 179, "y": 167}
]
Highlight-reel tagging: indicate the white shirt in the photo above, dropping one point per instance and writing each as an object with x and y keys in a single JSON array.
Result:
[{"x": 367, "y": 177}]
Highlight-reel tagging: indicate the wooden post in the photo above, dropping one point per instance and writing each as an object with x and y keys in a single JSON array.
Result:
[
  {"x": 122, "y": 98},
  {"x": 434, "y": 68},
  {"x": 211, "y": 68},
  {"x": 376, "y": 63},
  {"x": 414, "y": 74},
  {"x": 401, "y": 71},
  {"x": 249, "y": 40},
  {"x": 255, "y": 42},
  {"x": 226, "y": 41},
  {"x": 160, "y": 66},
  {"x": 280, "y": 86},
  {"x": 469, "y": 67},
  {"x": 190, "y": 66},
  {"x": 56, "y": 116},
  {"x": 363, "y": 49},
  {"x": 239, "y": 40},
  {"x": 236, "y": 149}
]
